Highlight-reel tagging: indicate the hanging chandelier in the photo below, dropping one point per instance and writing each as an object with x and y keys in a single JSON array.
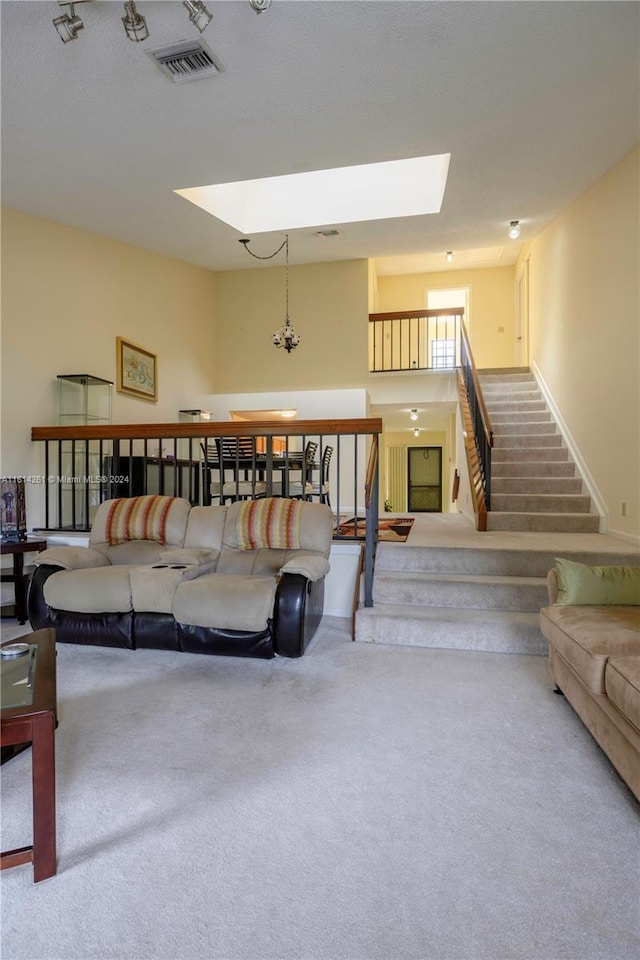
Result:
[{"x": 286, "y": 336}]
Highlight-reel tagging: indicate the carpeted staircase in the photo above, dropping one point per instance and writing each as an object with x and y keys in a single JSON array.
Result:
[
  {"x": 488, "y": 597},
  {"x": 534, "y": 482}
]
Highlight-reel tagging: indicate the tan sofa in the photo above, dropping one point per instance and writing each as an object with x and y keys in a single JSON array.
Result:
[
  {"x": 202, "y": 587},
  {"x": 594, "y": 660}
]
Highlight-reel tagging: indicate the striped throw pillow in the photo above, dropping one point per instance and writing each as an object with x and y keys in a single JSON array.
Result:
[
  {"x": 269, "y": 522},
  {"x": 138, "y": 518}
]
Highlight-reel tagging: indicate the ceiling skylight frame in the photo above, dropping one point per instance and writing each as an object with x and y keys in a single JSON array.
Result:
[{"x": 374, "y": 191}]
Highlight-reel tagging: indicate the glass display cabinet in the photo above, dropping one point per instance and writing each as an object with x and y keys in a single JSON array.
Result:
[{"x": 83, "y": 400}]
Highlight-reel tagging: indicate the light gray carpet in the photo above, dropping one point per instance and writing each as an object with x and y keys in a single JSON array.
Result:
[{"x": 366, "y": 802}]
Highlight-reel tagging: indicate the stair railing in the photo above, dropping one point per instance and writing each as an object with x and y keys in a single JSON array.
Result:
[{"x": 478, "y": 430}]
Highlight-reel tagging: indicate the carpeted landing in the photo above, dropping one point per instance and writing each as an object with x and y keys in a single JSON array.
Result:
[{"x": 366, "y": 802}]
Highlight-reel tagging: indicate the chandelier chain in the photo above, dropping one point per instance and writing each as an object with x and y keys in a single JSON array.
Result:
[{"x": 286, "y": 337}]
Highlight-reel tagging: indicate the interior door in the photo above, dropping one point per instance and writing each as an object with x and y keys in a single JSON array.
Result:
[{"x": 425, "y": 480}]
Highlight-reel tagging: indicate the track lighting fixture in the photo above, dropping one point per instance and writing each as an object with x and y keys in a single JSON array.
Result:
[
  {"x": 514, "y": 229},
  {"x": 413, "y": 414},
  {"x": 69, "y": 24},
  {"x": 135, "y": 25},
  {"x": 416, "y": 431},
  {"x": 449, "y": 256}
]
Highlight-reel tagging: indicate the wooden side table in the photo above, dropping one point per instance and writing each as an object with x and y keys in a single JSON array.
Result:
[
  {"x": 20, "y": 575},
  {"x": 33, "y": 718}
]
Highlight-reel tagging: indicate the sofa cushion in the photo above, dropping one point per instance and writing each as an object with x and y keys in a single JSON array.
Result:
[
  {"x": 152, "y": 588},
  {"x": 205, "y": 527},
  {"x": 137, "y": 518},
  {"x": 99, "y": 590},
  {"x": 316, "y": 527},
  {"x": 579, "y": 583},
  {"x": 135, "y": 551},
  {"x": 270, "y": 522},
  {"x": 586, "y": 637},
  {"x": 622, "y": 686},
  {"x": 226, "y": 601},
  {"x": 175, "y": 527}
]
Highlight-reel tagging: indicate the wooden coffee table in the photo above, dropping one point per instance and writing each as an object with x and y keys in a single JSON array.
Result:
[{"x": 29, "y": 714}]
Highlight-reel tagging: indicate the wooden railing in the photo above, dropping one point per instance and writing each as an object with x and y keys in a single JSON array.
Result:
[
  {"x": 478, "y": 431},
  {"x": 415, "y": 340}
]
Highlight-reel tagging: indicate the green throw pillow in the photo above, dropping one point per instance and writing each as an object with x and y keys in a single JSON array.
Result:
[{"x": 596, "y": 586}]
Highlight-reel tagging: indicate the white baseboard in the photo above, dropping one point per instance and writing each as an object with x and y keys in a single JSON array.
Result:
[{"x": 592, "y": 488}]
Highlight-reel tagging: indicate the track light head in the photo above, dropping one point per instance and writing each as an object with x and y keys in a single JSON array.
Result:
[
  {"x": 413, "y": 415},
  {"x": 135, "y": 25},
  {"x": 68, "y": 25},
  {"x": 198, "y": 14},
  {"x": 514, "y": 229},
  {"x": 259, "y": 5}
]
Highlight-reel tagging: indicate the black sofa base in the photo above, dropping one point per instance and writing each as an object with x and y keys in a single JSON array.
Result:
[{"x": 297, "y": 614}]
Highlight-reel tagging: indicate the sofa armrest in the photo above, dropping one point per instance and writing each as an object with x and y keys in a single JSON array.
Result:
[
  {"x": 308, "y": 565},
  {"x": 71, "y": 558},
  {"x": 37, "y": 607},
  {"x": 297, "y": 613}
]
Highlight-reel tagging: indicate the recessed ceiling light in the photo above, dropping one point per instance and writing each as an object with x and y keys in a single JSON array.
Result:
[{"x": 372, "y": 191}]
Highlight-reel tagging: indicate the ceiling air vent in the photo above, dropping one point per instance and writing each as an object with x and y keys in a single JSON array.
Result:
[{"x": 186, "y": 60}]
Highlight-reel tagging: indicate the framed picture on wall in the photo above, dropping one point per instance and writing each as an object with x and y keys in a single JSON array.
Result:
[{"x": 137, "y": 370}]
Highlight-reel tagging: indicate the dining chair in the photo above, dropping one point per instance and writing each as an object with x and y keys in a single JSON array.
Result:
[
  {"x": 300, "y": 482},
  {"x": 236, "y": 456},
  {"x": 321, "y": 489}
]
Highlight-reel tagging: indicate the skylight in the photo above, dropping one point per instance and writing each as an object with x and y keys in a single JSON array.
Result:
[{"x": 372, "y": 191}]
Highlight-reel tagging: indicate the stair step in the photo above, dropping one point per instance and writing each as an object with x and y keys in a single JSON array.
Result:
[
  {"x": 532, "y": 468},
  {"x": 524, "y": 427},
  {"x": 489, "y": 561},
  {"x": 544, "y": 522},
  {"x": 540, "y": 503},
  {"x": 505, "y": 454},
  {"x": 527, "y": 440},
  {"x": 521, "y": 416},
  {"x": 448, "y": 628},
  {"x": 502, "y": 407},
  {"x": 510, "y": 396},
  {"x": 514, "y": 376},
  {"x": 534, "y": 486},
  {"x": 526, "y": 594}
]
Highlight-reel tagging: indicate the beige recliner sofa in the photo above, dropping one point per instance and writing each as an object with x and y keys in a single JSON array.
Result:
[
  {"x": 243, "y": 580},
  {"x": 594, "y": 660}
]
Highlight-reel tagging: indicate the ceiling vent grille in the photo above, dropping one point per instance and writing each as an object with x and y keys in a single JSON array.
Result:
[{"x": 185, "y": 61}]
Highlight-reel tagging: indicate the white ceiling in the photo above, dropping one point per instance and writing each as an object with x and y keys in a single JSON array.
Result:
[{"x": 534, "y": 101}]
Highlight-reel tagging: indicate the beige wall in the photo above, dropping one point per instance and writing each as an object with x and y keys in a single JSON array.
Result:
[
  {"x": 328, "y": 308},
  {"x": 584, "y": 333},
  {"x": 491, "y": 306},
  {"x": 66, "y": 295}
]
